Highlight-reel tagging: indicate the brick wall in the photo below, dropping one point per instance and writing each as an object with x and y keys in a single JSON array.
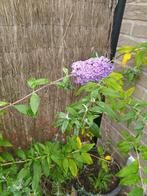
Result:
[{"x": 133, "y": 30}]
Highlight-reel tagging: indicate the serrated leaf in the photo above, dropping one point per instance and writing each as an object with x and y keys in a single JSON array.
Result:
[
  {"x": 136, "y": 192},
  {"x": 36, "y": 175},
  {"x": 86, "y": 158},
  {"x": 73, "y": 167},
  {"x": 65, "y": 165},
  {"x": 34, "y": 103}
]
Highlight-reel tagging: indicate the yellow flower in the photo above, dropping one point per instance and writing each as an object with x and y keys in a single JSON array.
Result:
[
  {"x": 108, "y": 158},
  {"x": 126, "y": 58},
  {"x": 79, "y": 142}
]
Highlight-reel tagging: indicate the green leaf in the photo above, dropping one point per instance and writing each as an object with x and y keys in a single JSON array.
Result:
[
  {"x": 145, "y": 181},
  {"x": 96, "y": 110},
  {"x": 45, "y": 167},
  {"x": 110, "y": 92},
  {"x": 72, "y": 111},
  {"x": 136, "y": 192},
  {"x": 139, "y": 58},
  {"x": 21, "y": 154},
  {"x": 86, "y": 147},
  {"x": 22, "y": 108},
  {"x": 87, "y": 88},
  {"x": 86, "y": 158},
  {"x": 36, "y": 175},
  {"x": 2, "y": 112},
  {"x": 73, "y": 167},
  {"x": 130, "y": 180},
  {"x": 4, "y": 142},
  {"x": 65, "y": 83},
  {"x": 126, "y": 49},
  {"x": 56, "y": 159},
  {"x": 33, "y": 83},
  {"x": 100, "y": 151},
  {"x": 130, "y": 91},
  {"x": 1, "y": 160},
  {"x": 145, "y": 170},
  {"x": 114, "y": 82},
  {"x": 65, "y": 165},
  {"x": 65, "y": 70},
  {"x": 7, "y": 156},
  {"x": 34, "y": 102},
  {"x": 94, "y": 55},
  {"x": 116, "y": 76},
  {"x": 95, "y": 130},
  {"x": 139, "y": 126},
  {"x": 143, "y": 152},
  {"x": 23, "y": 173},
  {"x": 77, "y": 157},
  {"x": 107, "y": 109},
  {"x": 129, "y": 116},
  {"x": 3, "y": 103},
  {"x": 129, "y": 170},
  {"x": 124, "y": 146},
  {"x": 64, "y": 125}
]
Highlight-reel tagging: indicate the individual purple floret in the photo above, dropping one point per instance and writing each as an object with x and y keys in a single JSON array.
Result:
[{"x": 91, "y": 70}]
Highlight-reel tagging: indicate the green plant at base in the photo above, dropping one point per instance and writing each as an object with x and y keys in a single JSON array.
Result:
[
  {"x": 55, "y": 160},
  {"x": 101, "y": 181}
]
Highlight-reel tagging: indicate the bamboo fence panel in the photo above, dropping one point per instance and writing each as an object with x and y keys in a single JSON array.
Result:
[{"x": 37, "y": 39}]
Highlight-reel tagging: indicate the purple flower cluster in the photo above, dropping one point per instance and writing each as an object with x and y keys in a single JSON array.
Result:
[{"x": 91, "y": 70}]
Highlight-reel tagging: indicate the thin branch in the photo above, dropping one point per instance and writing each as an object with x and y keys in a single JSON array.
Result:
[
  {"x": 20, "y": 161},
  {"x": 140, "y": 172},
  {"x": 35, "y": 91}
]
